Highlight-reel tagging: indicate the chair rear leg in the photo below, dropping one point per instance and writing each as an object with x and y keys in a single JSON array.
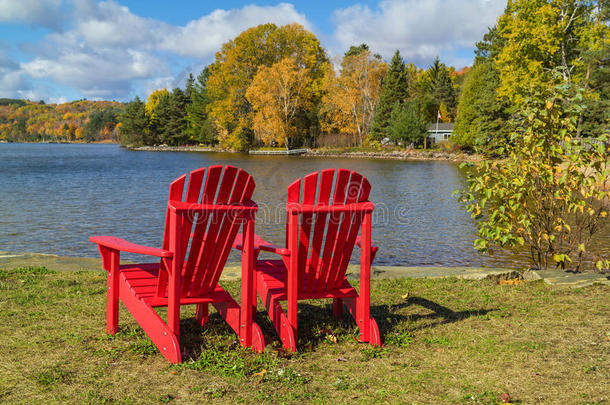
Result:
[
  {"x": 284, "y": 328},
  {"x": 338, "y": 308},
  {"x": 369, "y": 331},
  {"x": 202, "y": 313}
]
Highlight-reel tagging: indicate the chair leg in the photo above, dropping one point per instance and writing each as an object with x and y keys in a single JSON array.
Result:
[
  {"x": 112, "y": 294},
  {"x": 202, "y": 313},
  {"x": 338, "y": 308},
  {"x": 284, "y": 328},
  {"x": 369, "y": 331}
]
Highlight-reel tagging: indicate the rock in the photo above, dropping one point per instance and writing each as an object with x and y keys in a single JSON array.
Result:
[{"x": 531, "y": 275}]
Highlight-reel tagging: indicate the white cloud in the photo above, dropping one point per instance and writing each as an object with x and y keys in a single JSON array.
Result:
[
  {"x": 103, "y": 73},
  {"x": 42, "y": 12},
  {"x": 201, "y": 38},
  {"x": 420, "y": 29},
  {"x": 109, "y": 50}
]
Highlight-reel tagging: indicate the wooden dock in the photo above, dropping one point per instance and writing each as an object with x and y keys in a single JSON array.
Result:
[{"x": 278, "y": 152}]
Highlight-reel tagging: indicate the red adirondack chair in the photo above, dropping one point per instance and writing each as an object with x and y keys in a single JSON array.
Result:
[
  {"x": 199, "y": 234},
  {"x": 320, "y": 238}
]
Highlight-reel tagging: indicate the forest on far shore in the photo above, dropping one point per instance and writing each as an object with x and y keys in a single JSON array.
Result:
[{"x": 277, "y": 86}]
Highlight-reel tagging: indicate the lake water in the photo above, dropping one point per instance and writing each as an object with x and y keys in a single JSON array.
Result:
[{"x": 54, "y": 196}]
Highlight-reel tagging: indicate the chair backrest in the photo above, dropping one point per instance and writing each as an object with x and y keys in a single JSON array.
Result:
[
  {"x": 326, "y": 240},
  {"x": 207, "y": 238}
]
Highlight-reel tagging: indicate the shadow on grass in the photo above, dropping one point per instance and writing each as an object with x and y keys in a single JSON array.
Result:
[
  {"x": 388, "y": 319},
  {"x": 316, "y": 326}
]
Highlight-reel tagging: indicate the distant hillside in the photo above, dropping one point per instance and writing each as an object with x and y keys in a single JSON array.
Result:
[{"x": 81, "y": 120}]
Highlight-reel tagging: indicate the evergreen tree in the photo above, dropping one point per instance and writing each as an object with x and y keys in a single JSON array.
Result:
[
  {"x": 394, "y": 90},
  {"x": 407, "y": 123},
  {"x": 200, "y": 127},
  {"x": 441, "y": 87},
  {"x": 170, "y": 114},
  {"x": 188, "y": 89},
  {"x": 134, "y": 123}
]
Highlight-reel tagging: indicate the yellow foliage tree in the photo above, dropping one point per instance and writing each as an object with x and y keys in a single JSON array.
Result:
[
  {"x": 277, "y": 94},
  {"x": 238, "y": 62},
  {"x": 153, "y": 101},
  {"x": 543, "y": 38},
  {"x": 350, "y": 99}
]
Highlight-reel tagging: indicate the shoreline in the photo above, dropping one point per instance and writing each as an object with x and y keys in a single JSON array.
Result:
[
  {"x": 407, "y": 154},
  {"x": 232, "y": 271}
]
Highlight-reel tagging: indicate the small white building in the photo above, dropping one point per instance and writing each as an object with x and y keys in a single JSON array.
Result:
[{"x": 441, "y": 133}]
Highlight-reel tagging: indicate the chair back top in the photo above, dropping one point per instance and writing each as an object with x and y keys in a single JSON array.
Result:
[
  {"x": 326, "y": 239},
  {"x": 207, "y": 238}
]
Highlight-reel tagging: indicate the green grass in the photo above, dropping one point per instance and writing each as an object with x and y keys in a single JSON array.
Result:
[{"x": 451, "y": 341}]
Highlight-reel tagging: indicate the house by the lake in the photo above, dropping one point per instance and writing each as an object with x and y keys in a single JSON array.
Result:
[{"x": 440, "y": 132}]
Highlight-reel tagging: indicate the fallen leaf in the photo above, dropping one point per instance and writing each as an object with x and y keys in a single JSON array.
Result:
[
  {"x": 505, "y": 398},
  {"x": 261, "y": 374},
  {"x": 513, "y": 281},
  {"x": 404, "y": 297}
]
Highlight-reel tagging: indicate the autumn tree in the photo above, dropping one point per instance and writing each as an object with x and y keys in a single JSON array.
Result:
[
  {"x": 351, "y": 97},
  {"x": 238, "y": 62},
  {"x": 542, "y": 37},
  {"x": 278, "y": 94}
]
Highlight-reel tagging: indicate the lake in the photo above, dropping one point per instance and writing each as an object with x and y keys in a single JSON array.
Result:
[{"x": 54, "y": 196}]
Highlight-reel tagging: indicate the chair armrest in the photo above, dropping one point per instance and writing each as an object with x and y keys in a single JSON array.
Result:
[
  {"x": 261, "y": 244},
  {"x": 122, "y": 245},
  {"x": 374, "y": 247}
]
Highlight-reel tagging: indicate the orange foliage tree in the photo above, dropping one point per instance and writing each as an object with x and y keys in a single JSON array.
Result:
[
  {"x": 278, "y": 94},
  {"x": 351, "y": 97}
]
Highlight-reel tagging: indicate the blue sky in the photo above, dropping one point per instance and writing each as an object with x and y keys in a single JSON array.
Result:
[{"x": 62, "y": 50}]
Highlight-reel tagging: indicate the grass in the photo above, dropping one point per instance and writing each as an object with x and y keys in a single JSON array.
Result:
[{"x": 451, "y": 341}]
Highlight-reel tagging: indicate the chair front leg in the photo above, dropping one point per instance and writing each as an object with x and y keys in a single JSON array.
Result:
[
  {"x": 174, "y": 288},
  {"x": 110, "y": 262}
]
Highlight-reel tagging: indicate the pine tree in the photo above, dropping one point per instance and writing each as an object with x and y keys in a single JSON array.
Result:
[
  {"x": 134, "y": 123},
  {"x": 394, "y": 90},
  {"x": 188, "y": 89},
  {"x": 407, "y": 123},
  {"x": 441, "y": 86},
  {"x": 200, "y": 127}
]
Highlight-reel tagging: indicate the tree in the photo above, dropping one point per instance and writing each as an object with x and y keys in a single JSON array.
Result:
[
  {"x": 153, "y": 101},
  {"x": 351, "y": 98},
  {"x": 541, "y": 37},
  {"x": 549, "y": 194},
  {"x": 277, "y": 94},
  {"x": 393, "y": 90},
  {"x": 481, "y": 121},
  {"x": 356, "y": 50},
  {"x": 170, "y": 121},
  {"x": 134, "y": 123},
  {"x": 440, "y": 87},
  {"x": 200, "y": 127},
  {"x": 407, "y": 123},
  {"x": 189, "y": 87},
  {"x": 237, "y": 63}
]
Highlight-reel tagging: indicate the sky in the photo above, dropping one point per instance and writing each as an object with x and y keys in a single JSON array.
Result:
[{"x": 64, "y": 50}]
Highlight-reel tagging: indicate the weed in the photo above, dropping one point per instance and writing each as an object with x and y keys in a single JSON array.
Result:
[{"x": 372, "y": 352}]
